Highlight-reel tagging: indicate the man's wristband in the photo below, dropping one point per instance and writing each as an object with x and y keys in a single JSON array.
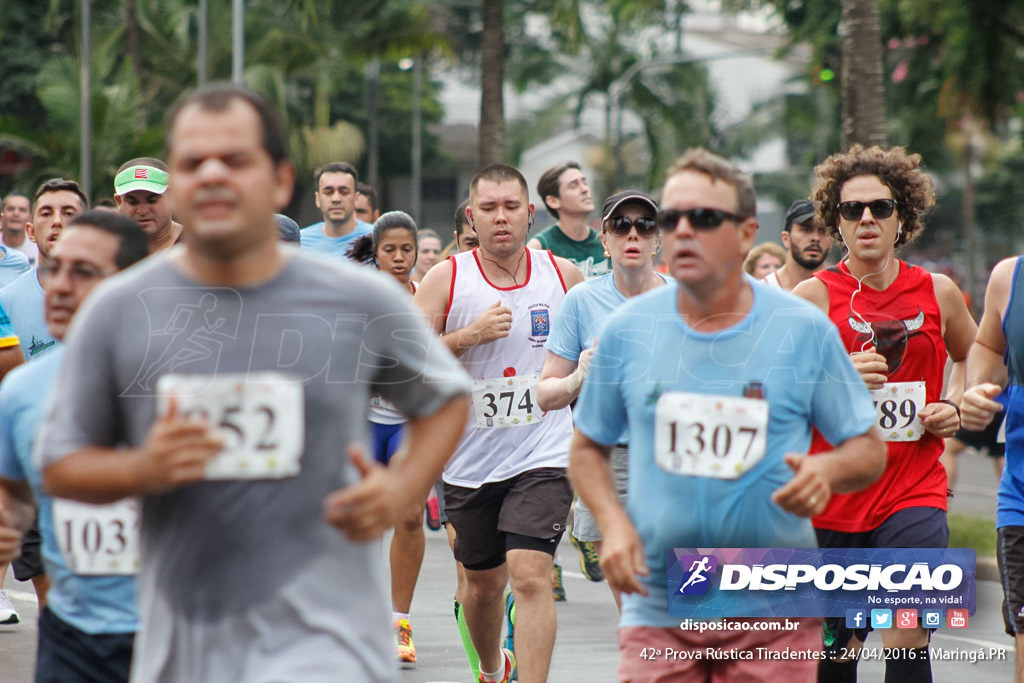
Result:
[{"x": 946, "y": 400}]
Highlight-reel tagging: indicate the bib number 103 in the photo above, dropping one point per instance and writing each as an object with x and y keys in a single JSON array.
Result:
[
  {"x": 98, "y": 539},
  {"x": 709, "y": 436}
]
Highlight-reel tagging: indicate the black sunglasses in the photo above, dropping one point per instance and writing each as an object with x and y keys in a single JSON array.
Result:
[
  {"x": 700, "y": 219},
  {"x": 621, "y": 225},
  {"x": 880, "y": 208}
]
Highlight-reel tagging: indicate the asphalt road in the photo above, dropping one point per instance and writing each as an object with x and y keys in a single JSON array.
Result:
[{"x": 586, "y": 649}]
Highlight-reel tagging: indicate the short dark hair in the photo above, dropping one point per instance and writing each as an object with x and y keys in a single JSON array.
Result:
[
  {"x": 548, "y": 184},
  {"x": 144, "y": 161},
  {"x": 218, "y": 97},
  {"x": 337, "y": 167},
  {"x": 134, "y": 245},
  {"x": 365, "y": 189},
  {"x": 461, "y": 219},
  {"x": 499, "y": 173},
  {"x": 700, "y": 160},
  {"x": 16, "y": 194},
  {"x": 364, "y": 249},
  {"x": 60, "y": 185}
]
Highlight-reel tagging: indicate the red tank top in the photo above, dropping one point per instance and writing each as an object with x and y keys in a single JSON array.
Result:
[{"x": 906, "y": 322}]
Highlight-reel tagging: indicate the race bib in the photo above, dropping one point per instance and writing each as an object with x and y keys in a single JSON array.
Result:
[
  {"x": 701, "y": 435},
  {"x": 897, "y": 405},
  {"x": 506, "y": 401},
  {"x": 98, "y": 539},
  {"x": 260, "y": 417}
]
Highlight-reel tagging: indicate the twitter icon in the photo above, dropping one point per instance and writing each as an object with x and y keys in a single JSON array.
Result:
[{"x": 881, "y": 618}]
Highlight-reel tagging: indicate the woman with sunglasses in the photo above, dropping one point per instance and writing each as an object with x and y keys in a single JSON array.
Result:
[
  {"x": 630, "y": 237},
  {"x": 899, "y": 323}
]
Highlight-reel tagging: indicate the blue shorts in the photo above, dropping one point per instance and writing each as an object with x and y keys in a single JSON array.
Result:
[
  {"x": 385, "y": 440},
  {"x": 68, "y": 654},
  {"x": 919, "y": 527}
]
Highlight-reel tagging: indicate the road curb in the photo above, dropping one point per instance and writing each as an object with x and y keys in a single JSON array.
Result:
[{"x": 988, "y": 569}]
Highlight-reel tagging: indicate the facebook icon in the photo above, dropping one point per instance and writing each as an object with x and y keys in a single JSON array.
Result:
[{"x": 856, "y": 618}]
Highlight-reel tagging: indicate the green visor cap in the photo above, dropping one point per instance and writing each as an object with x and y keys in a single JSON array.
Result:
[{"x": 140, "y": 178}]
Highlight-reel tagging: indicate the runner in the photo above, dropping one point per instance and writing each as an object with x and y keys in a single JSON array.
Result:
[
  {"x": 807, "y": 244},
  {"x": 997, "y": 359},
  {"x": 506, "y": 490},
  {"x": 246, "y": 452},
  {"x": 630, "y": 237},
  {"x": 88, "y": 623},
  {"x": 391, "y": 247},
  {"x": 900, "y": 324},
  {"x": 654, "y": 368}
]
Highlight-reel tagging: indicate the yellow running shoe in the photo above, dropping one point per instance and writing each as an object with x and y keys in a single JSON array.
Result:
[{"x": 404, "y": 647}]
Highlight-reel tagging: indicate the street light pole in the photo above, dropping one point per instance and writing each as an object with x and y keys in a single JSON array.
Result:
[
  {"x": 202, "y": 40},
  {"x": 237, "y": 41},
  {"x": 85, "y": 172}
]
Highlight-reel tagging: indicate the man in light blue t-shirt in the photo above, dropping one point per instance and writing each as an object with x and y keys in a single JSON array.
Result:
[
  {"x": 12, "y": 264},
  {"x": 335, "y": 196},
  {"x": 55, "y": 203},
  {"x": 683, "y": 365},
  {"x": 88, "y": 623}
]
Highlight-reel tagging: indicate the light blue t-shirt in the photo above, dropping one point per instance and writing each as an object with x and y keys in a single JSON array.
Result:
[
  {"x": 23, "y": 301},
  {"x": 93, "y": 604},
  {"x": 645, "y": 349},
  {"x": 313, "y": 237},
  {"x": 585, "y": 307},
  {"x": 13, "y": 264}
]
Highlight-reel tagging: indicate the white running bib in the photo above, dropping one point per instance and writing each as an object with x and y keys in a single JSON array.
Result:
[
  {"x": 506, "y": 401},
  {"x": 260, "y": 417},
  {"x": 98, "y": 539},
  {"x": 897, "y": 409},
  {"x": 702, "y": 435}
]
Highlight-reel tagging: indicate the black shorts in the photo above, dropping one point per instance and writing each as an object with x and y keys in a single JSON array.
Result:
[
  {"x": 986, "y": 440},
  {"x": 1010, "y": 555},
  {"x": 68, "y": 654},
  {"x": 30, "y": 564},
  {"x": 527, "y": 511},
  {"x": 919, "y": 527}
]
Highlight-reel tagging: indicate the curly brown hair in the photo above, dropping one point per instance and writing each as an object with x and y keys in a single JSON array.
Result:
[{"x": 901, "y": 172}]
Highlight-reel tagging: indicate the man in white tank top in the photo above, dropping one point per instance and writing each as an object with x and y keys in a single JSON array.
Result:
[
  {"x": 807, "y": 243},
  {"x": 506, "y": 490}
]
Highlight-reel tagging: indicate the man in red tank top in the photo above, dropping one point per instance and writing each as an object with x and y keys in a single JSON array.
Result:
[{"x": 899, "y": 323}]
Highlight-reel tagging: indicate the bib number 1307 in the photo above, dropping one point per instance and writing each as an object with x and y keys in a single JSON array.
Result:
[{"x": 709, "y": 436}]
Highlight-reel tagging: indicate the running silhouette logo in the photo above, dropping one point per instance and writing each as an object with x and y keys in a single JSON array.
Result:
[{"x": 697, "y": 580}]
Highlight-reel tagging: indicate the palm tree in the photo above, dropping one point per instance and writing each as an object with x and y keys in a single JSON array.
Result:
[{"x": 862, "y": 81}]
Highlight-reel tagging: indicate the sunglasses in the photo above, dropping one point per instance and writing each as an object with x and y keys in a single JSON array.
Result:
[
  {"x": 880, "y": 208},
  {"x": 621, "y": 225},
  {"x": 700, "y": 219}
]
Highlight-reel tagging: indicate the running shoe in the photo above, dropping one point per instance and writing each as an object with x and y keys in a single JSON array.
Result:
[
  {"x": 8, "y": 615},
  {"x": 557, "y": 588},
  {"x": 509, "y": 673},
  {"x": 510, "y": 621},
  {"x": 404, "y": 647},
  {"x": 433, "y": 513},
  {"x": 589, "y": 561}
]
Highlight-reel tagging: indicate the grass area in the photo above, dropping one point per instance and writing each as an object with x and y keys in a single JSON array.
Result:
[{"x": 967, "y": 531}]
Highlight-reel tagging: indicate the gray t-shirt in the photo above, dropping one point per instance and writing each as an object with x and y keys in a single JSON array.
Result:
[{"x": 244, "y": 579}]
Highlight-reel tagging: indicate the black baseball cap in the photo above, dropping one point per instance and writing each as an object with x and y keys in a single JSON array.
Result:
[
  {"x": 620, "y": 198},
  {"x": 800, "y": 211}
]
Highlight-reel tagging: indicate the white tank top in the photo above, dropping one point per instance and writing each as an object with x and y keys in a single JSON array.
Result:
[{"x": 506, "y": 434}]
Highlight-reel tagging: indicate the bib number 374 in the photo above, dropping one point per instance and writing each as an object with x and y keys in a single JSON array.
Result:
[
  {"x": 259, "y": 416},
  {"x": 703, "y": 435},
  {"x": 506, "y": 401}
]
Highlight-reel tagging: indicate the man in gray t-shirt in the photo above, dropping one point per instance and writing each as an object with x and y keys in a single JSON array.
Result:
[{"x": 226, "y": 385}]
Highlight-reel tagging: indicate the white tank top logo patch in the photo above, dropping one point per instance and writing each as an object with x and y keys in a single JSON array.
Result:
[{"x": 540, "y": 324}]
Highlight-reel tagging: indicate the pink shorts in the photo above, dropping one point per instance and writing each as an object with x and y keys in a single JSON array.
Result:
[{"x": 744, "y": 650}]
